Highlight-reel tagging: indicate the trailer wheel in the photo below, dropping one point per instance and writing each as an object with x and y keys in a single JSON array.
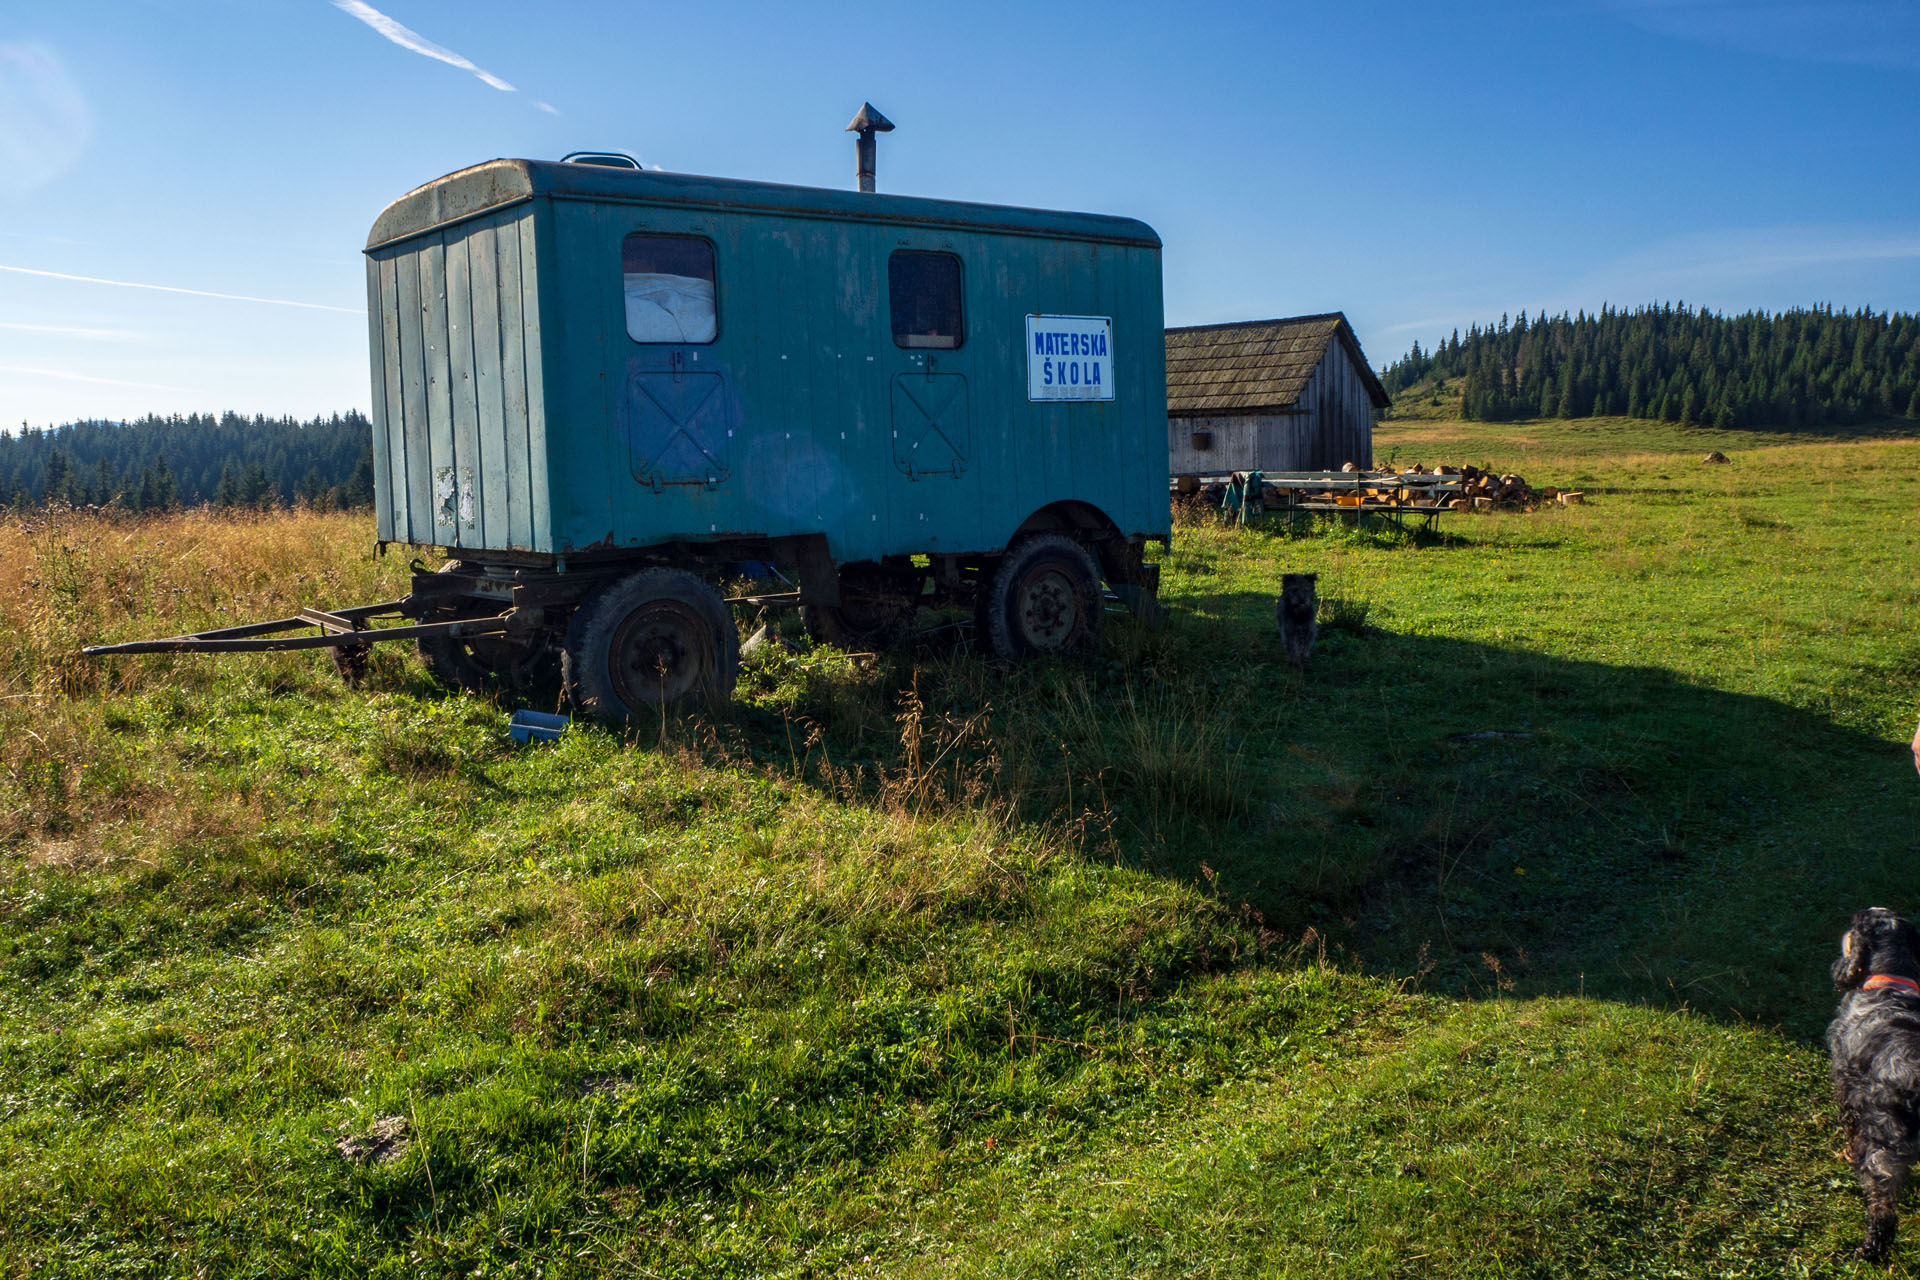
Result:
[
  {"x": 453, "y": 662},
  {"x": 462, "y": 664},
  {"x": 1042, "y": 598},
  {"x": 875, "y": 612},
  {"x": 654, "y": 638},
  {"x": 482, "y": 664}
]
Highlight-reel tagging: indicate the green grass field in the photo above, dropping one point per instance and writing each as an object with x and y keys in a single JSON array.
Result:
[{"x": 1494, "y": 945}]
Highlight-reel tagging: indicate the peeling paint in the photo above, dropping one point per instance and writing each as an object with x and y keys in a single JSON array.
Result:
[{"x": 445, "y": 492}]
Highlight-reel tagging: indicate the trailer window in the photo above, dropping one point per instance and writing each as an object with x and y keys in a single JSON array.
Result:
[
  {"x": 669, "y": 288},
  {"x": 924, "y": 290}
]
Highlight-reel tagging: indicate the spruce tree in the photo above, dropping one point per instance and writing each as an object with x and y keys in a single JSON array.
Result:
[
  {"x": 159, "y": 491},
  {"x": 311, "y": 489},
  {"x": 254, "y": 489},
  {"x": 358, "y": 490},
  {"x": 100, "y": 489},
  {"x": 58, "y": 489},
  {"x": 1690, "y": 405}
]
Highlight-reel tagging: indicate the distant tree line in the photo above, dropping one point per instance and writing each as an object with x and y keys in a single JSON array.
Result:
[
  {"x": 1795, "y": 369},
  {"x": 157, "y": 463}
]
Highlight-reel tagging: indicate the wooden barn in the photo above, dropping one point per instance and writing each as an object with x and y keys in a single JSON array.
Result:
[{"x": 1269, "y": 395}]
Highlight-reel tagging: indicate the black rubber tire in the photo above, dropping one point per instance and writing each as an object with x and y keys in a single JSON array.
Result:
[
  {"x": 484, "y": 664},
  {"x": 875, "y": 612},
  {"x": 665, "y": 621},
  {"x": 453, "y": 662},
  {"x": 1042, "y": 599}
]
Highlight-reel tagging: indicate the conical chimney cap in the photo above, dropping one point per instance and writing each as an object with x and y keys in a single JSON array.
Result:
[{"x": 869, "y": 119}]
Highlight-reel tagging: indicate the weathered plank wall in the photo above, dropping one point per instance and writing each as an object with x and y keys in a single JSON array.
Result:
[
  {"x": 1338, "y": 422},
  {"x": 1334, "y": 425},
  {"x": 1236, "y": 444},
  {"x": 458, "y": 415}
]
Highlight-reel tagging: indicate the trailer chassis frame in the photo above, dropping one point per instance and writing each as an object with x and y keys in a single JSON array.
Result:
[{"x": 339, "y": 629}]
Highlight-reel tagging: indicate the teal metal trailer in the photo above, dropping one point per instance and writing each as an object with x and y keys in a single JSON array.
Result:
[
  {"x": 598, "y": 386},
  {"x": 524, "y": 402},
  {"x": 601, "y": 389}
]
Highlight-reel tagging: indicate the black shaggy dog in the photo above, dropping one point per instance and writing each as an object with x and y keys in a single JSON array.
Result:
[
  {"x": 1297, "y": 612},
  {"x": 1875, "y": 1043}
]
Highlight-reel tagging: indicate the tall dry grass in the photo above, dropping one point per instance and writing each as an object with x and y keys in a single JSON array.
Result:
[
  {"x": 71, "y": 578},
  {"x": 920, "y": 741},
  {"x": 90, "y": 577}
]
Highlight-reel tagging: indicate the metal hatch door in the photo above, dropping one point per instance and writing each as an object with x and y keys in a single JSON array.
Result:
[
  {"x": 932, "y": 430},
  {"x": 678, "y": 420},
  {"x": 934, "y": 505}
]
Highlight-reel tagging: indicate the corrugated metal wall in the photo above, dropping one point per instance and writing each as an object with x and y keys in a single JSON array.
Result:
[
  {"x": 1334, "y": 426},
  {"x": 459, "y": 443}
]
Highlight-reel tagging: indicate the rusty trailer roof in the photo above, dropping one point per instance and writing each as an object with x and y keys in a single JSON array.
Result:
[{"x": 496, "y": 184}]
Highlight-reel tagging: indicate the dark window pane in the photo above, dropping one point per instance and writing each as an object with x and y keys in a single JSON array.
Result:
[
  {"x": 669, "y": 281},
  {"x": 924, "y": 291}
]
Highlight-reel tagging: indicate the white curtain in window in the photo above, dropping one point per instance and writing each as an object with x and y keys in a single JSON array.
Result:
[{"x": 664, "y": 308}]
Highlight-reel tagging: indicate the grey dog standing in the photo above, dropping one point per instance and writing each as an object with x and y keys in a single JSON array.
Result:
[
  {"x": 1875, "y": 1043},
  {"x": 1297, "y": 612}
]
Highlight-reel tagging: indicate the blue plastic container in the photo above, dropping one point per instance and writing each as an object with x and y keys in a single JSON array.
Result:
[{"x": 536, "y": 726}]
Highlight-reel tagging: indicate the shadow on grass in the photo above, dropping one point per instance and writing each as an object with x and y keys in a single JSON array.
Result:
[
  {"x": 1479, "y": 819},
  {"x": 1487, "y": 819}
]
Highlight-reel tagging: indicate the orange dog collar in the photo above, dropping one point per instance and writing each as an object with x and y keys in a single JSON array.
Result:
[{"x": 1891, "y": 980}]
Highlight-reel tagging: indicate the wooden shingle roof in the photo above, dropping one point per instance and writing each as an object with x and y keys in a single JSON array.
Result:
[{"x": 1256, "y": 366}]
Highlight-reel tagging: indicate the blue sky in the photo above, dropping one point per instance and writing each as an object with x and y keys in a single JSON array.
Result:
[{"x": 1418, "y": 166}]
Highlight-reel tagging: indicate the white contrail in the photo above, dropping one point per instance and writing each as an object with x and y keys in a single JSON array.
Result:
[
  {"x": 105, "y": 382},
  {"x": 407, "y": 38},
  {"x": 196, "y": 293},
  {"x": 73, "y": 331}
]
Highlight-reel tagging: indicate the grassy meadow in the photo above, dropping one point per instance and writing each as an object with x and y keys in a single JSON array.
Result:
[{"x": 1494, "y": 944}]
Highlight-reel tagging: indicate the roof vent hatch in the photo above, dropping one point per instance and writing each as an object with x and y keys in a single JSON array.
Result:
[{"x": 605, "y": 159}]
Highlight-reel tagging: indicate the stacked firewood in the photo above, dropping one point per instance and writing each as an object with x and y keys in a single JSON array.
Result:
[
  {"x": 1456, "y": 488},
  {"x": 1486, "y": 490}
]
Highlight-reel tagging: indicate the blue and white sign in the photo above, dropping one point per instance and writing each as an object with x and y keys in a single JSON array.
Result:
[{"x": 1069, "y": 358}]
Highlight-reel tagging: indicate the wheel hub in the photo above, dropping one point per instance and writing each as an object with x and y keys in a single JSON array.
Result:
[
  {"x": 658, "y": 654},
  {"x": 1048, "y": 611}
]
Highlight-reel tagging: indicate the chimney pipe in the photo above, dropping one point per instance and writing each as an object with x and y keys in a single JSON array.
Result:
[{"x": 867, "y": 123}]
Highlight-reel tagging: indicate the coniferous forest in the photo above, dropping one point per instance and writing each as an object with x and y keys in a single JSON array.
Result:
[
  {"x": 1797, "y": 369},
  {"x": 155, "y": 463}
]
